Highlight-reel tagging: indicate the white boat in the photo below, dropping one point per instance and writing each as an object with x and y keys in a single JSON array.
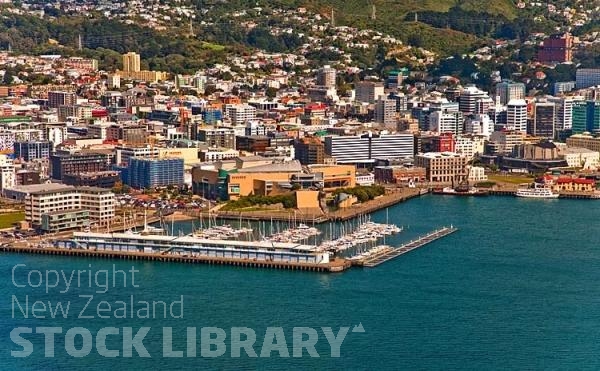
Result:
[{"x": 538, "y": 191}]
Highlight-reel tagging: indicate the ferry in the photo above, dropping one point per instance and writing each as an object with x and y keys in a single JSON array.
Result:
[{"x": 538, "y": 191}]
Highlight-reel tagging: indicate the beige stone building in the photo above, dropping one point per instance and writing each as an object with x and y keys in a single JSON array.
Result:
[{"x": 443, "y": 167}]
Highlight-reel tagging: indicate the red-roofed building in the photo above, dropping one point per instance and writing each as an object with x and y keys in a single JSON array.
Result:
[
  {"x": 566, "y": 184},
  {"x": 315, "y": 109}
]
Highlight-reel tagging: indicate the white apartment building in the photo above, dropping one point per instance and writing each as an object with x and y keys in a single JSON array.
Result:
[
  {"x": 469, "y": 146},
  {"x": 123, "y": 154},
  {"x": 51, "y": 198},
  {"x": 446, "y": 122},
  {"x": 100, "y": 202},
  {"x": 7, "y": 173},
  {"x": 469, "y": 97},
  {"x": 564, "y": 111},
  {"x": 240, "y": 113},
  {"x": 479, "y": 125},
  {"x": 516, "y": 115},
  {"x": 56, "y": 135},
  {"x": 215, "y": 154}
]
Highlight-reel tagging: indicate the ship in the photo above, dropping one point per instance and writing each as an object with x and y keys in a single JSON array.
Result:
[
  {"x": 462, "y": 189},
  {"x": 538, "y": 190}
]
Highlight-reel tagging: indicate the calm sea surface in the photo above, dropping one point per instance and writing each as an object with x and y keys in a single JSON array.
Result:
[{"x": 517, "y": 287}]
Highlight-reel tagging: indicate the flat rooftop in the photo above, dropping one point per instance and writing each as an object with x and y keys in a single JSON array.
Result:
[{"x": 187, "y": 240}]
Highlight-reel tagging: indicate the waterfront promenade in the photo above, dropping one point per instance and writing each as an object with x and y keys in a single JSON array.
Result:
[{"x": 315, "y": 216}]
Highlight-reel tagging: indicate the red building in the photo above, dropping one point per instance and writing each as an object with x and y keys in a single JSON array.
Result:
[
  {"x": 443, "y": 143},
  {"x": 556, "y": 49}
]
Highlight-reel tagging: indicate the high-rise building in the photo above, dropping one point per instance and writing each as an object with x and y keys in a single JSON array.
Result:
[
  {"x": 7, "y": 173},
  {"x": 326, "y": 77},
  {"x": 564, "y": 111},
  {"x": 79, "y": 162},
  {"x": 385, "y": 111},
  {"x": 32, "y": 150},
  {"x": 155, "y": 172},
  {"x": 240, "y": 113},
  {"x": 446, "y": 122},
  {"x": 61, "y": 98},
  {"x": 544, "y": 118},
  {"x": 217, "y": 137},
  {"x": 309, "y": 150},
  {"x": 468, "y": 99},
  {"x": 483, "y": 105},
  {"x": 368, "y": 91},
  {"x": 505, "y": 141},
  {"x": 401, "y": 101},
  {"x": 587, "y": 77},
  {"x": 516, "y": 115},
  {"x": 114, "y": 81},
  {"x": 556, "y": 49},
  {"x": 586, "y": 117},
  {"x": 367, "y": 148},
  {"x": 479, "y": 125},
  {"x": 509, "y": 90},
  {"x": 131, "y": 62}
]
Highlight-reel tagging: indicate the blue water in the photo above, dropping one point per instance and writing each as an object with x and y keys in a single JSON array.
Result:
[{"x": 515, "y": 288}]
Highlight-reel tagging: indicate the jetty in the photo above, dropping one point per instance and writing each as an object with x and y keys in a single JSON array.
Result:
[
  {"x": 336, "y": 265},
  {"x": 389, "y": 254}
]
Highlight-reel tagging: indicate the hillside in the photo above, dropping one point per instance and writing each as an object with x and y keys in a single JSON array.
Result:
[
  {"x": 398, "y": 9},
  {"x": 397, "y": 18}
]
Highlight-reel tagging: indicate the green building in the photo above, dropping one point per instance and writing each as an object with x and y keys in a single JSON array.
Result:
[{"x": 586, "y": 117}]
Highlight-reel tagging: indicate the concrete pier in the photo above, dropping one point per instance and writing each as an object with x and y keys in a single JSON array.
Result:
[
  {"x": 373, "y": 261},
  {"x": 337, "y": 265}
]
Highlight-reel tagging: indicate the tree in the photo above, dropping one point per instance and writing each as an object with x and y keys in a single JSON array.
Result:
[
  {"x": 415, "y": 40},
  {"x": 271, "y": 92},
  {"x": 8, "y": 77}
]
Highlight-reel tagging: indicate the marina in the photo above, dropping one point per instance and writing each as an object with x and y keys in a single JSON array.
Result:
[
  {"x": 367, "y": 232},
  {"x": 387, "y": 253},
  {"x": 219, "y": 232},
  {"x": 300, "y": 233},
  {"x": 358, "y": 240}
]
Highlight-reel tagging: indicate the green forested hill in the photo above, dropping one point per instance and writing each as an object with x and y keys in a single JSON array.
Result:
[{"x": 444, "y": 26}]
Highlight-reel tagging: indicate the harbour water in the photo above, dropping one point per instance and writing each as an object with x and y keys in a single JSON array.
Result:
[{"x": 515, "y": 288}]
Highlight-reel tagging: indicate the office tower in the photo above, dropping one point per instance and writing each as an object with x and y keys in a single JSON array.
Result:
[
  {"x": 61, "y": 98},
  {"x": 368, "y": 91},
  {"x": 516, "y": 115},
  {"x": 326, "y": 77},
  {"x": 509, "y": 90},
  {"x": 544, "y": 117},
  {"x": 131, "y": 62},
  {"x": 385, "y": 111}
]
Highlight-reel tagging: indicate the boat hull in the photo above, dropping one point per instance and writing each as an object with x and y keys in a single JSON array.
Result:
[
  {"x": 477, "y": 193},
  {"x": 537, "y": 196}
]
